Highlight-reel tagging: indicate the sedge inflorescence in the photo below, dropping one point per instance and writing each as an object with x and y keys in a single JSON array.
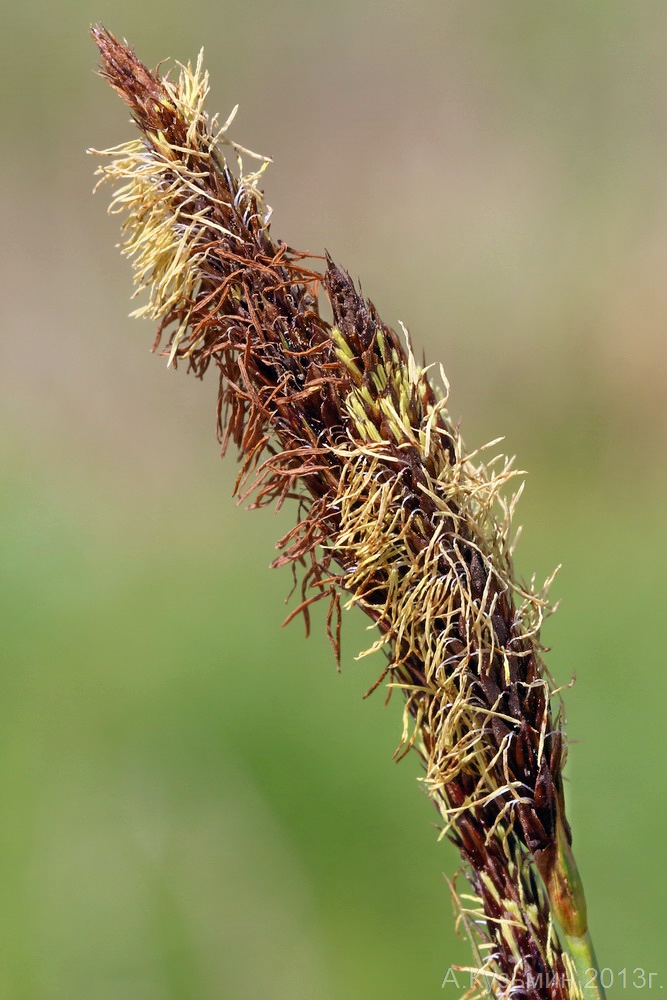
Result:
[{"x": 394, "y": 515}]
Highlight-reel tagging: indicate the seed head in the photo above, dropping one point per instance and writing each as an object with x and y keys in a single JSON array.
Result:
[{"x": 395, "y": 515}]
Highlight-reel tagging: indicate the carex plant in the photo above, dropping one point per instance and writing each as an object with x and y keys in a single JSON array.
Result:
[{"x": 393, "y": 515}]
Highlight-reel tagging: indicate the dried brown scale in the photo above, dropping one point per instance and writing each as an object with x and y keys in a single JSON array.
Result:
[{"x": 328, "y": 415}]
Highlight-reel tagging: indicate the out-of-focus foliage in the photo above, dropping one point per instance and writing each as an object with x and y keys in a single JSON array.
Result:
[{"x": 194, "y": 803}]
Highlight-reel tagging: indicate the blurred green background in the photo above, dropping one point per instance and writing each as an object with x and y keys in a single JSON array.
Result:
[{"x": 194, "y": 803}]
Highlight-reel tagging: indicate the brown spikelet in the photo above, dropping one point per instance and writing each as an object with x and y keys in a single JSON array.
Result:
[{"x": 394, "y": 515}]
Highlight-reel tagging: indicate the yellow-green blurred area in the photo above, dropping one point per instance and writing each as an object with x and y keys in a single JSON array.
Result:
[{"x": 195, "y": 804}]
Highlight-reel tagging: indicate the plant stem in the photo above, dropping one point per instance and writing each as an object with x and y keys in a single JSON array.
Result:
[{"x": 585, "y": 965}]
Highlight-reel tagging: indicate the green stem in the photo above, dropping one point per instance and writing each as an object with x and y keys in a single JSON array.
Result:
[
  {"x": 586, "y": 966},
  {"x": 568, "y": 905}
]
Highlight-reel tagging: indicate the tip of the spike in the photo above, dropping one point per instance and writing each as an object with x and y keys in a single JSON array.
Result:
[{"x": 102, "y": 36}]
